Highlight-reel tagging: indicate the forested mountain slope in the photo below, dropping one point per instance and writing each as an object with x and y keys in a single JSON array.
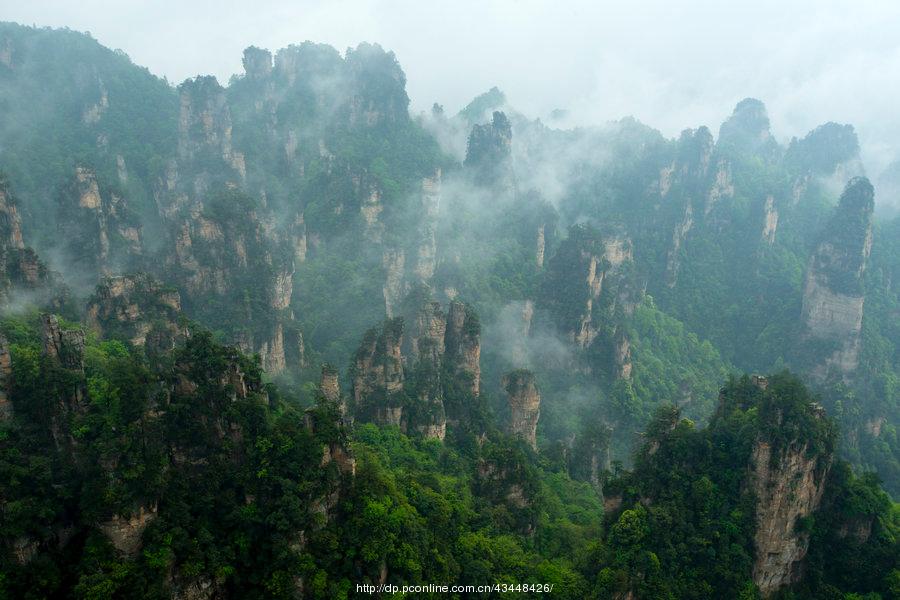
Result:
[{"x": 279, "y": 337}]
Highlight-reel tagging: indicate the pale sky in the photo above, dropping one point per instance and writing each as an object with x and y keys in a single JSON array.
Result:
[{"x": 670, "y": 64}]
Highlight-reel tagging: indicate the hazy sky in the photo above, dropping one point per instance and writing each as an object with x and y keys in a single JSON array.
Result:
[{"x": 670, "y": 64}]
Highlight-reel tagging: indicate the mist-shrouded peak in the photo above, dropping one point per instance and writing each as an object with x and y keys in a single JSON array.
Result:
[
  {"x": 747, "y": 129},
  {"x": 380, "y": 65},
  {"x": 490, "y": 147},
  {"x": 201, "y": 86},
  {"x": 695, "y": 145},
  {"x": 824, "y": 148},
  {"x": 483, "y": 104},
  {"x": 858, "y": 198},
  {"x": 846, "y": 242},
  {"x": 257, "y": 62},
  {"x": 306, "y": 59}
]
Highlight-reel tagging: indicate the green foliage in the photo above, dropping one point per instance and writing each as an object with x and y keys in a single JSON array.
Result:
[{"x": 687, "y": 521}]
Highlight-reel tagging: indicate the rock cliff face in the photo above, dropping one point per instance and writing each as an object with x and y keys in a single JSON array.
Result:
[
  {"x": 10, "y": 223},
  {"x": 412, "y": 264},
  {"x": 427, "y": 350},
  {"x": 586, "y": 269},
  {"x": 691, "y": 162},
  {"x": 427, "y": 341},
  {"x": 788, "y": 488},
  {"x": 137, "y": 308},
  {"x": 205, "y": 125},
  {"x": 694, "y": 185},
  {"x": 271, "y": 351},
  {"x": 225, "y": 248},
  {"x": 426, "y": 250},
  {"x": 378, "y": 375},
  {"x": 463, "y": 346},
  {"x": 770, "y": 220},
  {"x": 125, "y": 532},
  {"x": 100, "y": 233},
  {"x": 65, "y": 346},
  {"x": 678, "y": 236},
  {"x": 6, "y": 407},
  {"x": 833, "y": 296},
  {"x": 404, "y": 382},
  {"x": 524, "y": 405},
  {"x": 540, "y": 246},
  {"x": 337, "y": 464},
  {"x": 393, "y": 261},
  {"x": 622, "y": 356},
  {"x": 19, "y": 265},
  {"x": 329, "y": 385}
]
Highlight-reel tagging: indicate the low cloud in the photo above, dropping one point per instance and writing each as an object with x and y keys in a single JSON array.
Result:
[{"x": 670, "y": 65}]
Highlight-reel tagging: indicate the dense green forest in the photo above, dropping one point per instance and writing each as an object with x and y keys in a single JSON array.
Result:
[{"x": 283, "y": 337}]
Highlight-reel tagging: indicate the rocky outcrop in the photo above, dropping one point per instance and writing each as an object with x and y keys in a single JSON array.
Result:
[
  {"x": 336, "y": 451},
  {"x": 691, "y": 163},
  {"x": 64, "y": 349},
  {"x": 10, "y": 223},
  {"x": 693, "y": 187},
  {"x": 20, "y": 267},
  {"x": 673, "y": 262},
  {"x": 205, "y": 124},
  {"x": 6, "y": 53},
  {"x": 788, "y": 487},
  {"x": 829, "y": 150},
  {"x": 271, "y": 351},
  {"x": 540, "y": 247},
  {"x": 427, "y": 348},
  {"x": 125, "y": 533},
  {"x": 426, "y": 248},
  {"x": 98, "y": 231},
  {"x": 378, "y": 87},
  {"x": 404, "y": 383},
  {"x": 833, "y": 298},
  {"x": 517, "y": 318},
  {"x": 770, "y": 220},
  {"x": 227, "y": 250},
  {"x": 489, "y": 151},
  {"x": 329, "y": 385},
  {"x": 282, "y": 288},
  {"x": 503, "y": 478},
  {"x": 393, "y": 261},
  {"x": 622, "y": 356},
  {"x": 427, "y": 339},
  {"x": 378, "y": 375},
  {"x": 747, "y": 132},
  {"x": 406, "y": 267},
  {"x": 298, "y": 238},
  {"x": 65, "y": 346},
  {"x": 92, "y": 113},
  {"x": 585, "y": 264},
  {"x": 427, "y": 415},
  {"x": 463, "y": 347},
  {"x": 257, "y": 63},
  {"x": 722, "y": 187},
  {"x": 139, "y": 309},
  {"x": 6, "y": 407},
  {"x": 590, "y": 455},
  {"x": 524, "y": 405},
  {"x": 371, "y": 208}
]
